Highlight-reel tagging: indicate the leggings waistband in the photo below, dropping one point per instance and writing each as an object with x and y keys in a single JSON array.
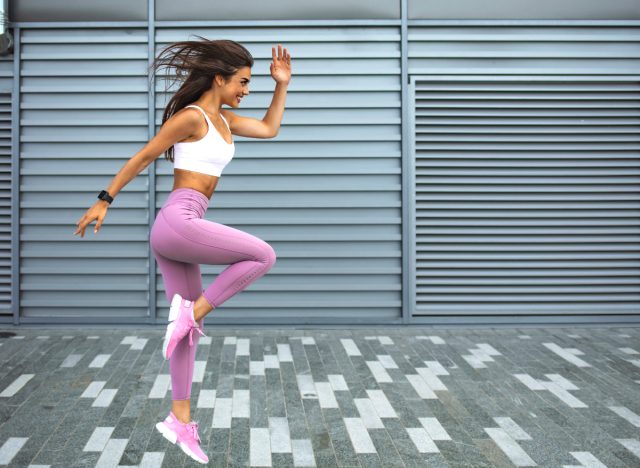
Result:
[{"x": 187, "y": 194}]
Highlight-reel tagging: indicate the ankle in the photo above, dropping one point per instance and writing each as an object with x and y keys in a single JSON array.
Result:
[
  {"x": 181, "y": 419},
  {"x": 198, "y": 315}
]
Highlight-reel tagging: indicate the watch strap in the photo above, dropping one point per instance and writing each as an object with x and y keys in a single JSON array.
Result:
[{"x": 104, "y": 195}]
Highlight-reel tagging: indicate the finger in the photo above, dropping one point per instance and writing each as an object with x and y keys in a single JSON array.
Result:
[
  {"x": 81, "y": 222},
  {"x": 273, "y": 53},
  {"x": 279, "y": 51},
  {"x": 84, "y": 224}
]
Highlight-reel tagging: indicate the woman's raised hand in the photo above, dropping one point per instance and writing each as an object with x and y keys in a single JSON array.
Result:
[
  {"x": 97, "y": 211},
  {"x": 281, "y": 65}
]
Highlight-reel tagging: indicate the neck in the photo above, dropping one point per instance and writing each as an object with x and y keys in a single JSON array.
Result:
[{"x": 210, "y": 102}]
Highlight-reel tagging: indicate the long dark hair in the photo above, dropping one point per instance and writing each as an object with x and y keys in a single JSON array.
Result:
[{"x": 196, "y": 63}]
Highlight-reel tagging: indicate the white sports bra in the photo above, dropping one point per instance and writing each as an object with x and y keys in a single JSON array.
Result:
[{"x": 208, "y": 155}]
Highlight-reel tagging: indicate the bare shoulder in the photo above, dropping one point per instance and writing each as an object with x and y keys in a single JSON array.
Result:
[
  {"x": 188, "y": 113},
  {"x": 189, "y": 116},
  {"x": 179, "y": 127},
  {"x": 183, "y": 124}
]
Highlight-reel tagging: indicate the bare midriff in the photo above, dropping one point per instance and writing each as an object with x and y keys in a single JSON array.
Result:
[{"x": 203, "y": 183}]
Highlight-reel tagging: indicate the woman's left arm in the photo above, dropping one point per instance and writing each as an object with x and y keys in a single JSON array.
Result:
[{"x": 281, "y": 73}]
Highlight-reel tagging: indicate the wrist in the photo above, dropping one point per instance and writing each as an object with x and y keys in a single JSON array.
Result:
[{"x": 105, "y": 196}]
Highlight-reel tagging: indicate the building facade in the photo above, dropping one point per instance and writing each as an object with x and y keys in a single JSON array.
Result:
[{"x": 438, "y": 162}]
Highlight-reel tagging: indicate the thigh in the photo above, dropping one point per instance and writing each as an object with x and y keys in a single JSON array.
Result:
[
  {"x": 218, "y": 244},
  {"x": 179, "y": 277},
  {"x": 177, "y": 235}
]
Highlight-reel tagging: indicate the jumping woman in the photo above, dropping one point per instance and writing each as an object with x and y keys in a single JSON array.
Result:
[{"x": 196, "y": 136}]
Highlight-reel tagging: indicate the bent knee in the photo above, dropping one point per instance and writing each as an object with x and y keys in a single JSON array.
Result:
[{"x": 269, "y": 255}]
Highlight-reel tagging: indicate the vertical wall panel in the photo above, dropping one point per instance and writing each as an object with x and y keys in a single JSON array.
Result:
[
  {"x": 83, "y": 115},
  {"x": 326, "y": 192},
  {"x": 527, "y": 168},
  {"x": 6, "y": 275}
]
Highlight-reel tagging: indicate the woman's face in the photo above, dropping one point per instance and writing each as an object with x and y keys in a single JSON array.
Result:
[{"x": 237, "y": 87}]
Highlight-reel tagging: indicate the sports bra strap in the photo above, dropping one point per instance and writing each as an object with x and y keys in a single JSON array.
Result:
[
  {"x": 227, "y": 124},
  {"x": 207, "y": 117},
  {"x": 200, "y": 109}
]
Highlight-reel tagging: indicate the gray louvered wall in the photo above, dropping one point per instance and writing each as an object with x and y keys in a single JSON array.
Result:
[
  {"x": 501, "y": 154},
  {"x": 6, "y": 279},
  {"x": 326, "y": 192},
  {"x": 84, "y": 113},
  {"x": 527, "y": 168}
]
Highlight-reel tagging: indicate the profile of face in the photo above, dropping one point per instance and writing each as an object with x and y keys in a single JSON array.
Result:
[{"x": 237, "y": 87}]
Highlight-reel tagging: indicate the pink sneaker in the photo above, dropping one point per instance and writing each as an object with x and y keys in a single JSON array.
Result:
[
  {"x": 185, "y": 435},
  {"x": 181, "y": 324}
]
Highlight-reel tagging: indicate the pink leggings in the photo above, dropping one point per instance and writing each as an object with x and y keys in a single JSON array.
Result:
[{"x": 180, "y": 240}]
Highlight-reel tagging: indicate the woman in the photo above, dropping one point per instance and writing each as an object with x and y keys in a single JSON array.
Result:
[{"x": 199, "y": 131}]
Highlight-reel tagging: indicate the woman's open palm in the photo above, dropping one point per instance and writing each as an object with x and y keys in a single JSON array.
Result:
[{"x": 281, "y": 65}]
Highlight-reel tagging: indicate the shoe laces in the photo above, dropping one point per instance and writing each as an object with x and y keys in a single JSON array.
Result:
[
  {"x": 191, "y": 330},
  {"x": 193, "y": 325},
  {"x": 192, "y": 427}
]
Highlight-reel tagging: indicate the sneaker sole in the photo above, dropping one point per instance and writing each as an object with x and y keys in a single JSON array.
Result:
[
  {"x": 174, "y": 311},
  {"x": 167, "y": 338},
  {"x": 175, "y": 307},
  {"x": 185, "y": 448},
  {"x": 172, "y": 437},
  {"x": 167, "y": 433}
]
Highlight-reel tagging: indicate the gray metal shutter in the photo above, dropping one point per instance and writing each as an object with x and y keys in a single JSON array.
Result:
[
  {"x": 527, "y": 194},
  {"x": 6, "y": 194},
  {"x": 84, "y": 113},
  {"x": 326, "y": 192},
  {"x": 526, "y": 184}
]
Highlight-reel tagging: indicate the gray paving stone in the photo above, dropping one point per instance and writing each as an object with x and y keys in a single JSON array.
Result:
[
  {"x": 49, "y": 411},
  {"x": 239, "y": 442}
]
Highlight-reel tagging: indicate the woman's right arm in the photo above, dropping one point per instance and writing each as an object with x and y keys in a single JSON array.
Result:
[{"x": 178, "y": 127}]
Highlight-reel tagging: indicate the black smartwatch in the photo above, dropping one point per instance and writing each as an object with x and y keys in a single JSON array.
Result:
[{"x": 104, "y": 195}]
